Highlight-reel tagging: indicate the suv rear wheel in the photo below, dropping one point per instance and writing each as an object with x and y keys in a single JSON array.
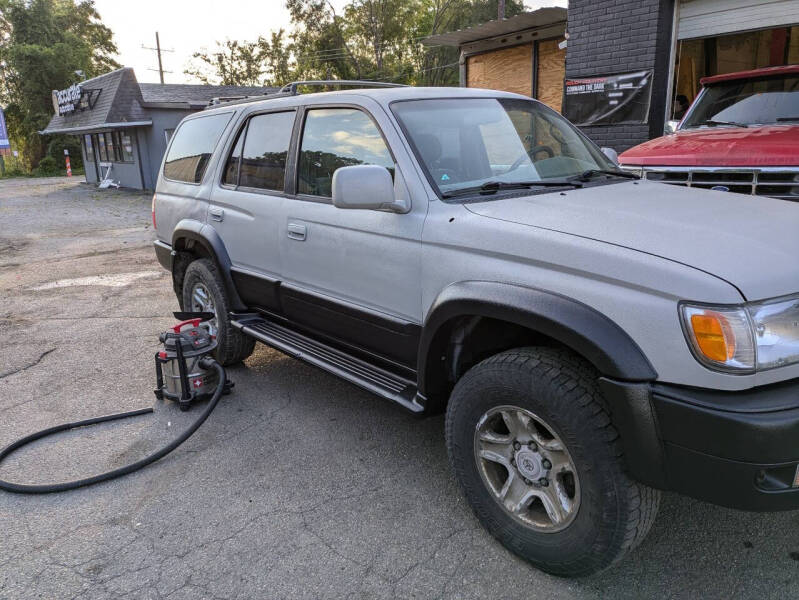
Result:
[
  {"x": 541, "y": 463},
  {"x": 203, "y": 290}
]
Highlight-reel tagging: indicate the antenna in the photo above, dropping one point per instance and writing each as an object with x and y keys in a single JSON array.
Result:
[{"x": 158, "y": 50}]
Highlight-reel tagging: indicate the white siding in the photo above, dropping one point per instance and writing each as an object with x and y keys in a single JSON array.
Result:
[{"x": 704, "y": 18}]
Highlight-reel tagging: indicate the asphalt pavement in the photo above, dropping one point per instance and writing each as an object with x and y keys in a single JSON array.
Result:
[{"x": 298, "y": 486}]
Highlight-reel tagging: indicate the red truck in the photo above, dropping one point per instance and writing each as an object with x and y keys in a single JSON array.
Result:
[{"x": 741, "y": 134}]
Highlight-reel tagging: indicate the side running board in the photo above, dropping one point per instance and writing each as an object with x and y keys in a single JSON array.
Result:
[{"x": 374, "y": 379}]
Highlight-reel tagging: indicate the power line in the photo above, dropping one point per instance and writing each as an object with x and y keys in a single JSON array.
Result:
[{"x": 158, "y": 51}]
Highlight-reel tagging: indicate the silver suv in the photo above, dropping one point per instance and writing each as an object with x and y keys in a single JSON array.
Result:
[{"x": 593, "y": 338}]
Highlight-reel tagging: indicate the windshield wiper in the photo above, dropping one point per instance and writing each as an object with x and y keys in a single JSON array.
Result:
[
  {"x": 713, "y": 122},
  {"x": 586, "y": 175},
  {"x": 492, "y": 187},
  {"x": 787, "y": 118}
]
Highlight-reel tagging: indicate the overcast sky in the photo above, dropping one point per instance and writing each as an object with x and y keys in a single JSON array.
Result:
[{"x": 188, "y": 25}]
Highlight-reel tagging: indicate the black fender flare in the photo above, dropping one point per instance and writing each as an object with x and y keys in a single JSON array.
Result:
[
  {"x": 585, "y": 330},
  {"x": 207, "y": 237}
]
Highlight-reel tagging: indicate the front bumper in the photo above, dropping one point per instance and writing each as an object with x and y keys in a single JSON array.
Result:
[{"x": 736, "y": 449}]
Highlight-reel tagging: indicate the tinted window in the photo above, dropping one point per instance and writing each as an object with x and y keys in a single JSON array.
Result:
[
  {"x": 192, "y": 147},
  {"x": 266, "y": 145},
  {"x": 333, "y": 138}
]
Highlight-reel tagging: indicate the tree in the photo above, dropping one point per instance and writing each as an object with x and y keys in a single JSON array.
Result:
[
  {"x": 43, "y": 45},
  {"x": 233, "y": 63}
]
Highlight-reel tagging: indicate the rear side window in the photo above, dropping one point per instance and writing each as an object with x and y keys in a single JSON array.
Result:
[
  {"x": 192, "y": 146},
  {"x": 334, "y": 138}
]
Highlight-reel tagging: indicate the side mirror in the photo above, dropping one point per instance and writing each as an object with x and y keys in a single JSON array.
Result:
[
  {"x": 671, "y": 126},
  {"x": 611, "y": 154},
  {"x": 366, "y": 187}
]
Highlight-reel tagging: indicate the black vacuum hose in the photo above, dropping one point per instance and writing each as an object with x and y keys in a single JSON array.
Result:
[{"x": 206, "y": 363}]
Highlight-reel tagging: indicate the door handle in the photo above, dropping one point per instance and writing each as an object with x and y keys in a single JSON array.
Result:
[
  {"x": 297, "y": 231},
  {"x": 217, "y": 214}
]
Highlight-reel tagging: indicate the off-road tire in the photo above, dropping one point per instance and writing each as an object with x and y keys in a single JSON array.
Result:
[
  {"x": 615, "y": 512},
  {"x": 232, "y": 345}
]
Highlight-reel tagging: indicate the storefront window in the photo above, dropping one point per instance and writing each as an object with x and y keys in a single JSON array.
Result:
[
  {"x": 111, "y": 147},
  {"x": 704, "y": 57},
  {"x": 89, "y": 148},
  {"x": 102, "y": 152},
  {"x": 125, "y": 145}
]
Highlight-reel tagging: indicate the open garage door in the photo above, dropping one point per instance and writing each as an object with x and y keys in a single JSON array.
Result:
[{"x": 704, "y": 18}]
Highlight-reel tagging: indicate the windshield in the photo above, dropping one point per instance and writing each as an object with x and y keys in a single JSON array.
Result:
[
  {"x": 468, "y": 142},
  {"x": 747, "y": 102}
]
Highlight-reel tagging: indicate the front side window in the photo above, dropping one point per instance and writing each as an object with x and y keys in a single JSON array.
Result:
[
  {"x": 468, "y": 142},
  {"x": 87, "y": 141},
  {"x": 192, "y": 147},
  {"x": 765, "y": 101},
  {"x": 334, "y": 138}
]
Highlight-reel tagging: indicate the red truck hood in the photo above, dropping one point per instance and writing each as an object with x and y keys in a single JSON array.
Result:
[{"x": 766, "y": 146}]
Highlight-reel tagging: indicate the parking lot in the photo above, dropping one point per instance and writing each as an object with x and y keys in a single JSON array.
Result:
[{"x": 298, "y": 485}]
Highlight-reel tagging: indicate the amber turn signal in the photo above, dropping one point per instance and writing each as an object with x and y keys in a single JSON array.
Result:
[{"x": 713, "y": 336}]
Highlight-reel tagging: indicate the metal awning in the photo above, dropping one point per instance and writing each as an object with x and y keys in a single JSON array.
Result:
[
  {"x": 96, "y": 127},
  {"x": 530, "y": 20}
]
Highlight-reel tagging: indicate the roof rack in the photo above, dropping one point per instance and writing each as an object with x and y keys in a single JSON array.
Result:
[{"x": 291, "y": 88}]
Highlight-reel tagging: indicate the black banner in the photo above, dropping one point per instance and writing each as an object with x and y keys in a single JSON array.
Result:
[{"x": 607, "y": 100}]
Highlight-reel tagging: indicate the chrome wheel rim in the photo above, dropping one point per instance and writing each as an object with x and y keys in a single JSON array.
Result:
[
  {"x": 203, "y": 301},
  {"x": 527, "y": 468}
]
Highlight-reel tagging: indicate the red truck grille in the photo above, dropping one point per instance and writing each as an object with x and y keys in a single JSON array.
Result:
[{"x": 776, "y": 182}]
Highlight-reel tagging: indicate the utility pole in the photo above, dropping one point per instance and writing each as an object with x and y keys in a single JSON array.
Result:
[
  {"x": 500, "y": 10},
  {"x": 158, "y": 51}
]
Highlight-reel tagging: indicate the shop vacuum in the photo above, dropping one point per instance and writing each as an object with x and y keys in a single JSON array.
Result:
[{"x": 185, "y": 372}]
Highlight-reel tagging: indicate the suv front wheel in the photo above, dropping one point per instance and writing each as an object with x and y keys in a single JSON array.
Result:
[
  {"x": 541, "y": 463},
  {"x": 204, "y": 291}
]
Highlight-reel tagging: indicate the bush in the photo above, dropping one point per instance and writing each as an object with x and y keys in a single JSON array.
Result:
[
  {"x": 48, "y": 167},
  {"x": 56, "y": 145}
]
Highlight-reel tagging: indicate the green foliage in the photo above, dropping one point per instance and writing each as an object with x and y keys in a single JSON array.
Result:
[
  {"x": 370, "y": 39},
  {"x": 55, "y": 148},
  {"x": 42, "y": 45},
  {"x": 47, "y": 167}
]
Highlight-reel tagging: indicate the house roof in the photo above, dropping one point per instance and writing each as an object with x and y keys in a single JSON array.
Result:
[
  {"x": 119, "y": 100},
  {"x": 529, "y": 20}
]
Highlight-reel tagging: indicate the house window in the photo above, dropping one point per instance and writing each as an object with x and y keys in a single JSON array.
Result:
[{"x": 102, "y": 151}]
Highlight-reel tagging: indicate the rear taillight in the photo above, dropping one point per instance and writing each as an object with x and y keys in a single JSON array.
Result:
[{"x": 153, "y": 209}]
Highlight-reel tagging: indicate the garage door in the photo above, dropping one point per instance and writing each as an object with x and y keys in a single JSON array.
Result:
[{"x": 704, "y": 18}]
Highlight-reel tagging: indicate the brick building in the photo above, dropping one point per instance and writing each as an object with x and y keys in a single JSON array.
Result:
[{"x": 630, "y": 66}]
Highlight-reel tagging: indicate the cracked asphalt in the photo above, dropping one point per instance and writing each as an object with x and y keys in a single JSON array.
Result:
[{"x": 298, "y": 485}]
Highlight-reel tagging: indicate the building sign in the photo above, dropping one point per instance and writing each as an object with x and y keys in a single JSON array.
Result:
[
  {"x": 608, "y": 100},
  {"x": 4, "y": 144},
  {"x": 68, "y": 100},
  {"x": 74, "y": 98}
]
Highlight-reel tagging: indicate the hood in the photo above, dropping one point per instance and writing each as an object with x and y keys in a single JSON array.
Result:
[
  {"x": 765, "y": 146},
  {"x": 752, "y": 243}
]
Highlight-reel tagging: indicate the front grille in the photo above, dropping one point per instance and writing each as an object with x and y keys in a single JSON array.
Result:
[{"x": 775, "y": 182}]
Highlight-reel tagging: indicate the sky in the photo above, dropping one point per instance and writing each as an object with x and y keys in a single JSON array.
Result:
[{"x": 186, "y": 26}]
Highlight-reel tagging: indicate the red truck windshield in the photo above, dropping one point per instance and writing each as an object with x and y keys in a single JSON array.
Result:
[{"x": 744, "y": 102}]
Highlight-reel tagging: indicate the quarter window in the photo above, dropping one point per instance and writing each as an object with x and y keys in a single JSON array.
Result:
[
  {"x": 334, "y": 138},
  {"x": 192, "y": 146}
]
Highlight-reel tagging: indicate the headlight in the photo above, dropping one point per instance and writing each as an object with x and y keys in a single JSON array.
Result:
[{"x": 745, "y": 338}]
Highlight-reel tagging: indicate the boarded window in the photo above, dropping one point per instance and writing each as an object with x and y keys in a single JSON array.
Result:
[
  {"x": 508, "y": 69},
  {"x": 551, "y": 73}
]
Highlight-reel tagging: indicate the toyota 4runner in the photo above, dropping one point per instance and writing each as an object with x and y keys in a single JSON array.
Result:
[{"x": 592, "y": 337}]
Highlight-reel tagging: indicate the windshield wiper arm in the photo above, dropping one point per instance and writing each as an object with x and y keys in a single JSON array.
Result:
[
  {"x": 713, "y": 122},
  {"x": 586, "y": 175},
  {"x": 787, "y": 118},
  {"x": 492, "y": 187}
]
